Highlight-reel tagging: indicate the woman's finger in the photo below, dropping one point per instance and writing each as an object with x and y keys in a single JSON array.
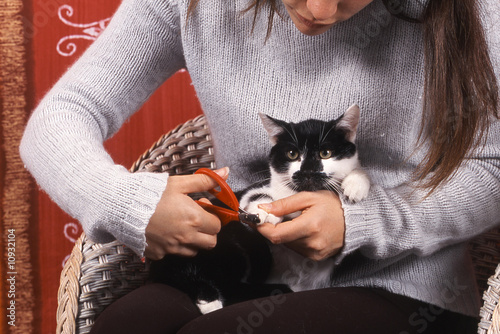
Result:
[
  {"x": 284, "y": 232},
  {"x": 289, "y": 205},
  {"x": 158, "y": 254},
  {"x": 188, "y": 184},
  {"x": 204, "y": 241}
]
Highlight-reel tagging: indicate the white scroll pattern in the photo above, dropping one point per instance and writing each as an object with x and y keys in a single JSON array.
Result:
[
  {"x": 66, "y": 46},
  {"x": 71, "y": 232}
]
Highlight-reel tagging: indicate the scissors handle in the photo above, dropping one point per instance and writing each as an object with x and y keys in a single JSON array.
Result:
[
  {"x": 225, "y": 215},
  {"x": 225, "y": 195}
]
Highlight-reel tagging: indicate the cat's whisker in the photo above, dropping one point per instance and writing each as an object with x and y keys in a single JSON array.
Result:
[
  {"x": 285, "y": 185},
  {"x": 321, "y": 135},
  {"x": 333, "y": 184},
  {"x": 295, "y": 135},
  {"x": 292, "y": 134},
  {"x": 304, "y": 150},
  {"x": 262, "y": 180},
  {"x": 327, "y": 133},
  {"x": 261, "y": 174},
  {"x": 292, "y": 185}
]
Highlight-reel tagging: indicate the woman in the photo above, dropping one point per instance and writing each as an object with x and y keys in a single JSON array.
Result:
[{"x": 424, "y": 79}]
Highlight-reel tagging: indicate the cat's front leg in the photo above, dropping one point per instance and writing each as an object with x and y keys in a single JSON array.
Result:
[{"x": 356, "y": 185}]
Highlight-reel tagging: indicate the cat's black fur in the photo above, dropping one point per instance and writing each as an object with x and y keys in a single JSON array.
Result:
[{"x": 241, "y": 254}]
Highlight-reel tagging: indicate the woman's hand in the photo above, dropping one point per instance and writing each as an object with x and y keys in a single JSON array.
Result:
[
  {"x": 179, "y": 225},
  {"x": 317, "y": 233}
]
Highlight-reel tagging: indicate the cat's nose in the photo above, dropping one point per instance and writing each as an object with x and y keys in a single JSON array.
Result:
[
  {"x": 311, "y": 166},
  {"x": 308, "y": 175},
  {"x": 308, "y": 180}
]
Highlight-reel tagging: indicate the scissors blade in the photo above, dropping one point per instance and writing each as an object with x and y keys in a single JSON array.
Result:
[{"x": 248, "y": 218}]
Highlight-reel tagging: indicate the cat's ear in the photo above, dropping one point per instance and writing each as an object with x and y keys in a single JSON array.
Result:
[
  {"x": 349, "y": 122},
  {"x": 274, "y": 127}
]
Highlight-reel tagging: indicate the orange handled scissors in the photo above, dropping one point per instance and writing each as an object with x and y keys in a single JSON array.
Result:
[{"x": 226, "y": 196}]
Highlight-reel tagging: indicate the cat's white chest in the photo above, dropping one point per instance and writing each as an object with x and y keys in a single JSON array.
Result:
[{"x": 297, "y": 271}]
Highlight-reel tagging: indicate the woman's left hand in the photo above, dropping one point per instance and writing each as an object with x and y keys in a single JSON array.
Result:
[{"x": 317, "y": 233}]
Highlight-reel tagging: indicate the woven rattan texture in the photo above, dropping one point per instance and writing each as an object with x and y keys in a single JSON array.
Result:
[
  {"x": 183, "y": 150},
  {"x": 485, "y": 253},
  {"x": 69, "y": 290},
  {"x": 490, "y": 312},
  {"x": 95, "y": 274}
]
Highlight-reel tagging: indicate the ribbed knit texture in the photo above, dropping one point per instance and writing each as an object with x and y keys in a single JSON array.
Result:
[{"x": 394, "y": 239}]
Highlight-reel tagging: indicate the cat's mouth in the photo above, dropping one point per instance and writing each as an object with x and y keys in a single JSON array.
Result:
[{"x": 310, "y": 181}]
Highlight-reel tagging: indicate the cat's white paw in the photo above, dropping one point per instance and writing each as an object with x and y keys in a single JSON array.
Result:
[
  {"x": 207, "y": 307},
  {"x": 356, "y": 186},
  {"x": 263, "y": 215},
  {"x": 269, "y": 218}
]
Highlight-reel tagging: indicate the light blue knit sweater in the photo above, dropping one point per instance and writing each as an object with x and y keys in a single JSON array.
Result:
[{"x": 393, "y": 240}]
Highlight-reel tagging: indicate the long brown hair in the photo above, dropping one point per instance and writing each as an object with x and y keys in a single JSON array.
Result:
[
  {"x": 460, "y": 88},
  {"x": 460, "y": 92}
]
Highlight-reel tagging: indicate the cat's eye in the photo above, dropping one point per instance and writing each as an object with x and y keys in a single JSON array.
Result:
[
  {"x": 325, "y": 154},
  {"x": 292, "y": 155}
]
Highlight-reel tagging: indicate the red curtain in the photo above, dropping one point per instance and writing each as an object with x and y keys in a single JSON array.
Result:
[{"x": 58, "y": 32}]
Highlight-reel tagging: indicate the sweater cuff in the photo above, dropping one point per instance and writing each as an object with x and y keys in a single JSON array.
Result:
[
  {"x": 360, "y": 227},
  {"x": 132, "y": 207}
]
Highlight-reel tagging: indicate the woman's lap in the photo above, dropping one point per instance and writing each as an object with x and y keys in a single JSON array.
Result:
[
  {"x": 157, "y": 308},
  {"x": 333, "y": 310},
  {"x": 152, "y": 308}
]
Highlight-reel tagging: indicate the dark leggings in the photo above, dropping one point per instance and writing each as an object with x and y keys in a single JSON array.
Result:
[{"x": 160, "y": 309}]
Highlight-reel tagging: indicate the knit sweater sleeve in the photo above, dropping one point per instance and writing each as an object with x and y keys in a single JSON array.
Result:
[
  {"x": 395, "y": 222},
  {"x": 63, "y": 142},
  {"x": 403, "y": 220}
]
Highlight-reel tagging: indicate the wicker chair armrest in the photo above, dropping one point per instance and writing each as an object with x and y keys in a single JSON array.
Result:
[
  {"x": 96, "y": 275},
  {"x": 181, "y": 151},
  {"x": 485, "y": 253},
  {"x": 490, "y": 311}
]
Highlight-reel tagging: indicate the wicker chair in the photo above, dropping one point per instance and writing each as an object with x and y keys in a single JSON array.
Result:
[{"x": 95, "y": 275}]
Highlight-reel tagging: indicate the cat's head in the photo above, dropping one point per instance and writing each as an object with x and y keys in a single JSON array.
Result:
[{"x": 313, "y": 155}]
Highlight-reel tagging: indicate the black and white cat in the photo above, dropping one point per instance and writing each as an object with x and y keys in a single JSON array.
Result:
[{"x": 308, "y": 156}]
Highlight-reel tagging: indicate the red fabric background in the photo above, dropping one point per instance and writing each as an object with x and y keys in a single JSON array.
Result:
[{"x": 79, "y": 22}]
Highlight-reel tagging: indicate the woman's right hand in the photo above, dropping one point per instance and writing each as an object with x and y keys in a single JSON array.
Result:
[{"x": 179, "y": 225}]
